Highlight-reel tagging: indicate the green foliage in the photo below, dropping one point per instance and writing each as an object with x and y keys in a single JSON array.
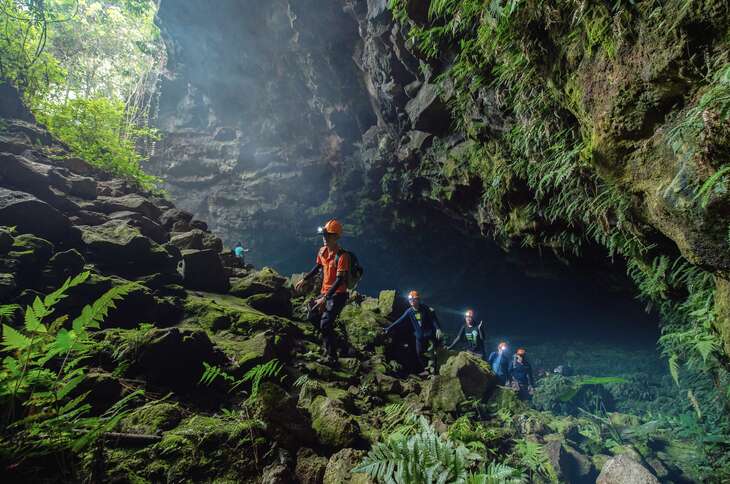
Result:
[
  {"x": 533, "y": 457},
  {"x": 44, "y": 366},
  {"x": 97, "y": 130},
  {"x": 269, "y": 370},
  {"x": 87, "y": 69},
  {"x": 591, "y": 380},
  {"x": 423, "y": 457},
  {"x": 476, "y": 436},
  {"x": 498, "y": 473}
]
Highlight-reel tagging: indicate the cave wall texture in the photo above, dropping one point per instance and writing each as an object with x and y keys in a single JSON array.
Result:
[{"x": 561, "y": 125}]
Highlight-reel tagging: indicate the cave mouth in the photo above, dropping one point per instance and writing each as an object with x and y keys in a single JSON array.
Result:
[{"x": 256, "y": 129}]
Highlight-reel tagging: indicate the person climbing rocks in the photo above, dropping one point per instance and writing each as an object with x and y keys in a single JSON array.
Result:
[
  {"x": 334, "y": 262},
  {"x": 426, "y": 331},
  {"x": 499, "y": 361},
  {"x": 240, "y": 252},
  {"x": 520, "y": 375},
  {"x": 473, "y": 334}
]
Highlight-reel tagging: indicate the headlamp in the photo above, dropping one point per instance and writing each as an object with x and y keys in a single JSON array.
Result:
[{"x": 320, "y": 230}]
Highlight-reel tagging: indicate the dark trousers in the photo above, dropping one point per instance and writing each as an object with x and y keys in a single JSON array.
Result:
[
  {"x": 421, "y": 346},
  {"x": 326, "y": 320}
]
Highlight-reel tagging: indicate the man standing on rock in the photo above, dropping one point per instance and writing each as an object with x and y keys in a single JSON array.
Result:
[
  {"x": 500, "y": 361},
  {"x": 334, "y": 264},
  {"x": 426, "y": 331}
]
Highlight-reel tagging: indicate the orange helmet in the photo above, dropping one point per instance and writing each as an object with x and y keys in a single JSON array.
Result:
[
  {"x": 331, "y": 227},
  {"x": 469, "y": 313},
  {"x": 413, "y": 295},
  {"x": 520, "y": 351}
]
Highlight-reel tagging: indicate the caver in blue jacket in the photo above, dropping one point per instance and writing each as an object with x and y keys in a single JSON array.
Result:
[{"x": 424, "y": 324}]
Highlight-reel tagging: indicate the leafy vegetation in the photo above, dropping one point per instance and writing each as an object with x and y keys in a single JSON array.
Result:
[
  {"x": 543, "y": 183},
  {"x": 270, "y": 369},
  {"x": 88, "y": 70},
  {"x": 43, "y": 368}
]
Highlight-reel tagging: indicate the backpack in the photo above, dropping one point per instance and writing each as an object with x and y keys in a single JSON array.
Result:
[{"x": 356, "y": 270}]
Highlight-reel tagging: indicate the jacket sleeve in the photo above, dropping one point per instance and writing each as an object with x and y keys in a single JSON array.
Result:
[
  {"x": 530, "y": 380},
  {"x": 510, "y": 368},
  {"x": 491, "y": 358},
  {"x": 398, "y": 321},
  {"x": 313, "y": 272},
  {"x": 457, "y": 339}
]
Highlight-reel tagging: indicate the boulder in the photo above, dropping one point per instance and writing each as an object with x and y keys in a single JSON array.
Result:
[
  {"x": 277, "y": 303},
  {"x": 340, "y": 465},
  {"x": 121, "y": 247},
  {"x": 463, "y": 377},
  {"x": 85, "y": 217},
  {"x": 174, "y": 215},
  {"x": 474, "y": 374},
  {"x": 334, "y": 426},
  {"x": 28, "y": 214},
  {"x": 388, "y": 303},
  {"x": 146, "y": 226},
  {"x": 443, "y": 394},
  {"x": 65, "y": 264},
  {"x": 285, "y": 423},
  {"x": 132, "y": 202},
  {"x": 197, "y": 239},
  {"x": 622, "y": 469},
  {"x": 8, "y": 287},
  {"x": 153, "y": 418},
  {"x": 173, "y": 358},
  {"x": 428, "y": 112},
  {"x": 364, "y": 327},
  {"x": 276, "y": 473},
  {"x": 310, "y": 467},
  {"x": 264, "y": 281},
  {"x": 202, "y": 270}
]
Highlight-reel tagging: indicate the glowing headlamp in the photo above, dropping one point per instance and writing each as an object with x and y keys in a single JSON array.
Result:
[{"x": 320, "y": 230}]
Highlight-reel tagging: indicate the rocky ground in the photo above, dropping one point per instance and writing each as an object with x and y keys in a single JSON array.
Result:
[{"x": 274, "y": 412}]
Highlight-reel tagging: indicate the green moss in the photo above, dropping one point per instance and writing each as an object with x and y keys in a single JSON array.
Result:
[{"x": 153, "y": 418}]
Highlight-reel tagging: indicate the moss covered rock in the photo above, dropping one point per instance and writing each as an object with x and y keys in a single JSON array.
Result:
[
  {"x": 474, "y": 375},
  {"x": 364, "y": 326},
  {"x": 340, "y": 465},
  {"x": 334, "y": 426},
  {"x": 310, "y": 467},
  {"x": 263, "y": 281},
  {"x": 153, "y": 418},
  {"x": 285, "y": 422}
]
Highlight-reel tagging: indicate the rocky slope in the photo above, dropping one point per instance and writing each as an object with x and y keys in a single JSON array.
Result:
[{"x": 303, "y": 421}]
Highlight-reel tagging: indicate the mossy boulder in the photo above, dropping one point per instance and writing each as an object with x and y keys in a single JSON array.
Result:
[
  {"x": 277, "y": 303},
  {"x": 173, "y": 358},
  {"x": 364, "y": 327},
  {"x": 310, "y": 467},
  {"x": 474, "y": 375},
  {"x": 443, "y": 394},
  {"x": 219, "y": 312},
  {"x": 334, "y": 426},
  {"x": 153, "y": 418},
  {"x": 340, "y": 465},
  {"x": 285, "y": 422},
  {"x": 263, "y": 281}
]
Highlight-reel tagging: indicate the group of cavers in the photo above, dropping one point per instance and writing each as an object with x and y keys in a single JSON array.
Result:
[{"x": 418, "y": 327}]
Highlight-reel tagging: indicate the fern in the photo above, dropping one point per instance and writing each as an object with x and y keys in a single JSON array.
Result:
[
  {"x": 424, "y": 457},
  {"x": 498, "y": 473},
  {"x": 45, "y": 370},
  {"x": 271, "y": 369},
  {"x": 532, "y": 455}
]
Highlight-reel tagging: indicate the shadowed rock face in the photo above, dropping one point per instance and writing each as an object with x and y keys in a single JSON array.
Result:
[{"x": 260, "y": 111}]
